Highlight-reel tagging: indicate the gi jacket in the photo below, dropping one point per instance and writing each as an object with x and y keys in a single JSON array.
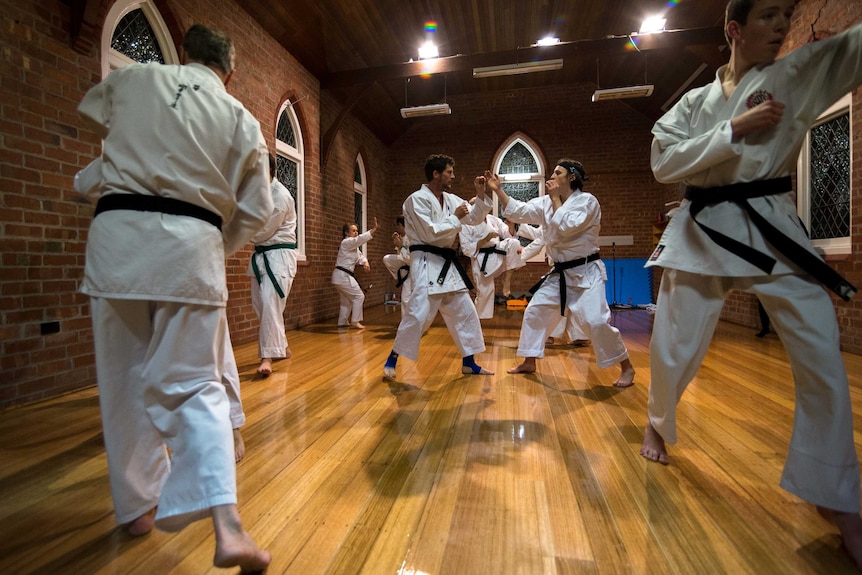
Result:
[
  {"x": 426, "y": 221},
  {"x": 693, "y": 144}
]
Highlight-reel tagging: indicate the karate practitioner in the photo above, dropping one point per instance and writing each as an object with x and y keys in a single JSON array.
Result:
[
  {"x": 492, "y": 251},
  {"x": 182, "y": 182},
  {"x": 433, "y": 218},
  {"x": 735, "y": 143},
  {"x": 398, "y": 263},
  {"x": 571, "y": 221},
  {"x": 351, "y": 295},
  {"x": 273, "y": 267}
]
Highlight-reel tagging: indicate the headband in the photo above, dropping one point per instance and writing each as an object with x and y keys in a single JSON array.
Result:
[{"x": 575, "y": 169}]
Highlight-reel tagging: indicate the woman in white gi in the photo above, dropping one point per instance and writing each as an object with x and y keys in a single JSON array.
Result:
[
  {"x": 433, "y": 219},
  {"x": 492, "y": 251},
  {"x": 735, "y": 143},
  {"x": 273, "y": 267},
  {"x": 182, "y": 182},
  {"x": 343, "y": 278},
  {"x": 571, "y": 221}
]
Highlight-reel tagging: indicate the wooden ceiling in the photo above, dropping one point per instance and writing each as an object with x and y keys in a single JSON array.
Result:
[{"x": 361, "y": 49}]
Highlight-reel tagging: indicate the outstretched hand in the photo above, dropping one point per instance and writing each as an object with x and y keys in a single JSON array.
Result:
[
  {"x": 493, "y": 181},
  {"x": 374, "y": 229}
]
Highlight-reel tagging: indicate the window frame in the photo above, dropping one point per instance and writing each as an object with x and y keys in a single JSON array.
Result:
[
  {"x": 524, "y": 140},
  {"x": 827, "y": 246},
  {"x": 296, "y": 155},
  {"x": 361, "y": 188},
  {"x": 112, "y": 59}
]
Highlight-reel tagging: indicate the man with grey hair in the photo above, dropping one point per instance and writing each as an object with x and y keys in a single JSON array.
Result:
[{"x": 181, "y": 182}]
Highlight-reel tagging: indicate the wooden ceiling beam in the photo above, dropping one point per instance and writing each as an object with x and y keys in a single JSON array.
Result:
[{"x": 671, "y": 39}]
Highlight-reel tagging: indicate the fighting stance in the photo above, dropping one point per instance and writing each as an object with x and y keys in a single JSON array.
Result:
[
  {"x": 734, "y": 143},
  {"x": 351, "y": 296},
  {"x": 433, "y": 218},
  {"x": 492, "y": 251},
  {"x": 571, "y": 221},
  {"x": 159, "y": 319},
  {"x": 273, "y": 267},
  {"x": 398, "y": 263}
]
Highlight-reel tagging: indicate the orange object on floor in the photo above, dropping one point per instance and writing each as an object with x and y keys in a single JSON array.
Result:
[{"x": 516, "y": 303}]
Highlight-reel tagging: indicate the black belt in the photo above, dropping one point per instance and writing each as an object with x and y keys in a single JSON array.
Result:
[
  {"x": 739, "y": 194},
  {"x": 263, "y": 250},
  {"x": 488, "y": 251},
  {"x": 142, "y": 203},
  {"x": 400, "y": 279},
  {"x": 451, "y": 257},
  {"x": 559, "y": 268},
  {"x": 347, "y": 271}
]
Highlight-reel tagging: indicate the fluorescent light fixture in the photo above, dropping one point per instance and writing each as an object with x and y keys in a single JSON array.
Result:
[
  {"x": 517, "y": 177},
  {"x": 653, "y": 25},
  {"x": 428, "y": 50},
  {"x": 430, "y": 110},
  {"x": 521, "y": 68},
  {"x": 548, "y": 41},
  {"x": 626, "y": 92}
]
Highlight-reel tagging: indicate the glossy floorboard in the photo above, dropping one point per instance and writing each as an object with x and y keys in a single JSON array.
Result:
[{"x": 448, "y": 474}]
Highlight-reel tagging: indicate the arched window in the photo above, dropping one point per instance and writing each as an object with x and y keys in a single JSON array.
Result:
[
  {"x": 522, "y": 169},
  {"x": 290, "y": 160},
  {"x": 360, "y": 196},
  {"x": 135, "y": 32}
]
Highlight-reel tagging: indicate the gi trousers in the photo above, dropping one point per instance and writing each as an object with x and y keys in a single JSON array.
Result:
[
  {"x": 821, "y": 465},
  {"x": 159, "y": 370}
]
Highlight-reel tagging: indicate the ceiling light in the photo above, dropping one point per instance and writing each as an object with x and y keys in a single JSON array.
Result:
[
  {"x": 521, "y": 68},
  {"x": 548, "y": 41},
  {"x": 428, "y": 50},
  {"x": 626, "y": 92},
  {"x": 653, "y": 25},
  {"x": 430, "y": 110}
]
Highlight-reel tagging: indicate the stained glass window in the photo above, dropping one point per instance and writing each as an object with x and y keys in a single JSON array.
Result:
[
  {"x": 286, "y": 174},
  {"x": 357, "y": 208},
  {"x": 830, "y": 179},
  {"x": 357, "y": 173},
  {"x": 518, "y": 160},
  {"x": 284, "y": 132},
  {"x": 135, "y": 38}
]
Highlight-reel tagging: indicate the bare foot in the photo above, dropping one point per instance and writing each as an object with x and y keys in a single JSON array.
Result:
[
  {"x": 529, "y": 366},
  {"x": 549, "y": 341},
  {"x": 143, "y": 524},
  {"x": 653, "y": 447},
  {"x": 234, "y": 546},
  {"x": 357, "y": 325},
  {"x": 467, "y": 370},
  {"x": 627, "y": 376},
  {"x": 287, "y": 354},
  {"x": 265, "y": 367},
  {"x": 850, "y": 526},
  {"x": 388, "y": 372},
  {"x": 238, "y": 445}
]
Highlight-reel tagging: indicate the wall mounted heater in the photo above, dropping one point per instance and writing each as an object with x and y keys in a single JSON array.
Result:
[
  {"x": 625, "y": 92},
  {"x": 429, "y": 110}
]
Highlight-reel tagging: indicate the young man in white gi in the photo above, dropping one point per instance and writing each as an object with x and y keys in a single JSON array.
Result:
[
  {"x": 492, "y": 251},
  {"x": 183, "y": 182},
  {"x": 273, "y": 267},
  {"x": 735, "y": 143},
  {"x": 433, "y": 218},
  {"x": 571, "y": 221},
  {"x": 398, "y": 263}
]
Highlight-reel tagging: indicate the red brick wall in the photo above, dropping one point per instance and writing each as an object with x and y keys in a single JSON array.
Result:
[{"x": 608, "y": 137}]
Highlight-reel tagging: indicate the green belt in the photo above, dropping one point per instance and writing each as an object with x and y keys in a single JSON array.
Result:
[{"x": 263, "y": 250}]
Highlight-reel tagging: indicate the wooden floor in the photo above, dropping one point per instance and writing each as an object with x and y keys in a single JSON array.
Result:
[{"x": 451, "y": 474}]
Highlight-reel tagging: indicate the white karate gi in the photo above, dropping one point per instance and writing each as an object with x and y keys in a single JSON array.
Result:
[
  {"x": 570, "y": 233},
  {"x": 157, "y": 282},
  {"x": 394, "y": 262},
  {"x": 280, "y": 229},
  {"x": 693, "y": 144},
  {"x": 495, "y": 264},
  {"x": 429, "y": 223},
  {"x": 351, "y": 296}
]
